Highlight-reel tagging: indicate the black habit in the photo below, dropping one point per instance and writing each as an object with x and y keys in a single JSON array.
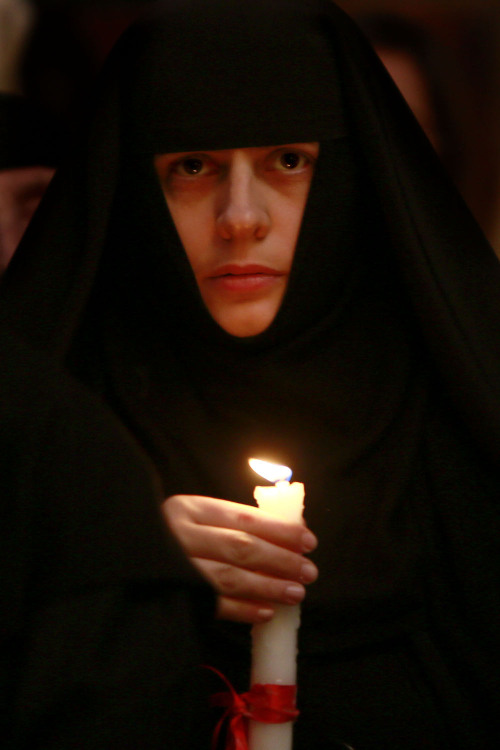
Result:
[{"x": 101, "y": 617}]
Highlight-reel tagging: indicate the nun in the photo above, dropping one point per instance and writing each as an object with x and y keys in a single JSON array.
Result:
[{"x": 254, "y": 251}]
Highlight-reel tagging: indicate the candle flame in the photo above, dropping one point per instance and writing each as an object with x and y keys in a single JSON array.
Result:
[{"x": 271, "y": 472}]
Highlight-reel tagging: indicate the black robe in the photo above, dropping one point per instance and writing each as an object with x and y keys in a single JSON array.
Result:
[
  {"x": 377, "y": 382},
  {"x": 100, "y": 614}
]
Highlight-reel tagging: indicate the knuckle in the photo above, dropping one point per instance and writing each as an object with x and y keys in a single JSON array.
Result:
[
  {"x": 274, "y": 590},
  {"x": 173, "y": 507},
  {"x": 241, "y": 546},
  {"x": 168, "y": 505},
  {"x": 226, "y": 579},
  {"x": 243, "y": 518}
]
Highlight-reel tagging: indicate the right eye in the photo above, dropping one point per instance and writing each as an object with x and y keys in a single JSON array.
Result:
[{"x": 192, "y": 166}]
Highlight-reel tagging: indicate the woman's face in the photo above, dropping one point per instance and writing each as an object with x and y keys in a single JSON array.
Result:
[{"x": 238, "y": 214}]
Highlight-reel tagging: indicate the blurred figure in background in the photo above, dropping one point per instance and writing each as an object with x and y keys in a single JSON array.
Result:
[
  {"x": 30, "y": 145},
  {"x": 439, "y": 92},
  {"x": 17, "y": 18},
  {"x": 30, "y": 142},
  {"x": 409, "y": 54}
]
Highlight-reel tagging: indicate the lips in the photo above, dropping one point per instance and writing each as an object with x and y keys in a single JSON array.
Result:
[
  {"x": 250, "y": 277},
  {"x": 249, "y": 269}
]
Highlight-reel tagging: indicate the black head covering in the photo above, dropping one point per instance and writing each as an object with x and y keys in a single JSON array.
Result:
[{"x": 376, "y": 382}]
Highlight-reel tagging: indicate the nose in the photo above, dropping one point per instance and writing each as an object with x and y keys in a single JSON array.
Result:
[{"x": 242, "y": 212}]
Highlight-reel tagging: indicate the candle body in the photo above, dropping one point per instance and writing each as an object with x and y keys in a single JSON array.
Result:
[{"x": 274, "y": 643}]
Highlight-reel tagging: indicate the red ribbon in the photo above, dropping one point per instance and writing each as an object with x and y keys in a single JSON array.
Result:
[{"x": 270, "y": 704}]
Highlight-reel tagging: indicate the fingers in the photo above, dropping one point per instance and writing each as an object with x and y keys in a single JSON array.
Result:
[
  {"x": 239, "y": 536},
  {"x": 240, "y": 610},
  {"x": 247, "y": 551},
  {"x": 209, "y": 511},
  {"x": 253, "y": 561},
  {"x": 235, "y": 582}
]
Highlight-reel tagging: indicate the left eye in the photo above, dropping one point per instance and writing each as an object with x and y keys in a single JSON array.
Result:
[
  {"x": 192, "y": 166},
  {"x": 291, "y": 160}
]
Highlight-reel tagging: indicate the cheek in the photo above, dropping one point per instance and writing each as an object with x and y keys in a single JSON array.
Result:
[
  {"x": 290, "y": 215},
  {"x": 193, "y": 225}
]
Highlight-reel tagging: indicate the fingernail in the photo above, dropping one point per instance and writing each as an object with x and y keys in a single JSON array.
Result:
[
  {"x": 294, "y": 593},
  {"x": 265, "y": 614},
  {"x": 309, "y": 541},
  {"x": 309, "y": 572}
]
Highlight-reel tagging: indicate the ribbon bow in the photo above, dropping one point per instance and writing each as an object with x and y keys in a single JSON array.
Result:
[{"x": 270, "y": 704}]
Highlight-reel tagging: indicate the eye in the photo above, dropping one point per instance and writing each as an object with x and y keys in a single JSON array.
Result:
[
  {"x": 192, "y": 166},
  {"x": 291, "y": 161}
]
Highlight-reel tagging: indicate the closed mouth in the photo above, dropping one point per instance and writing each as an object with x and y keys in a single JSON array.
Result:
[
  {"x": 250, "y": 269},
  {"x": 247, "y": 280}
]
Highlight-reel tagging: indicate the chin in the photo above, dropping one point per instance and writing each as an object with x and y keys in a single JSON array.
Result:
[
  {"x": 244, "y": 326},
  {"x": 244, "y": 331},
  {"x": 247, "y": 318}
]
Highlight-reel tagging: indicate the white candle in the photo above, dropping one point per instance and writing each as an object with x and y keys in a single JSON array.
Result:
[{"x": 274, "y": 643}]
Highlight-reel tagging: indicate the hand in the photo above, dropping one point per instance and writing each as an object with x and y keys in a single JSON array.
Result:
[{"x": 252, "y": 559}]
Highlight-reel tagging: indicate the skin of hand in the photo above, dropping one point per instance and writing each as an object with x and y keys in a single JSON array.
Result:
[{"x": 252, "y": 559}]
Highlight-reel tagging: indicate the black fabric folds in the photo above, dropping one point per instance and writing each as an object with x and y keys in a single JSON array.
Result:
[
  {"x": 101, "y": 616},
  {"x": 377, "y": 382}
]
